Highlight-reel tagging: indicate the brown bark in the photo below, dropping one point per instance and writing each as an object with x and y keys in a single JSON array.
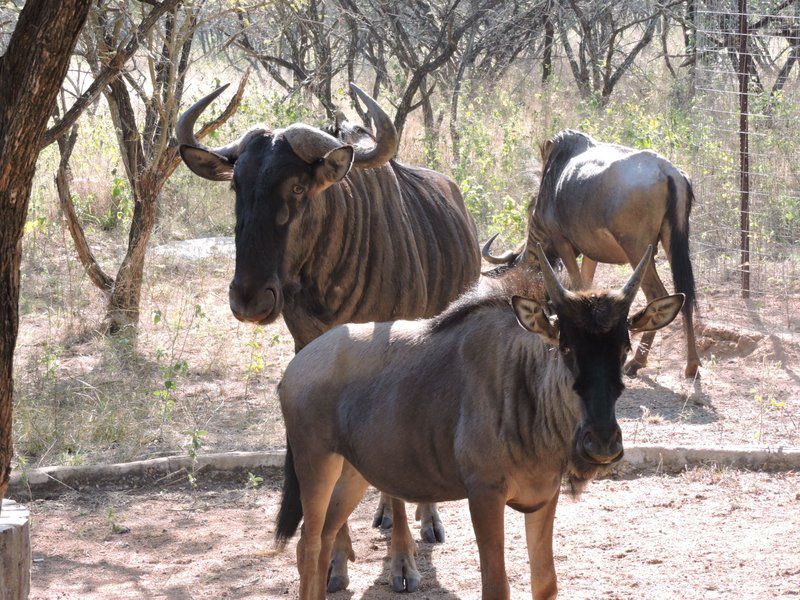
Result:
[
  {"x": 31, "y": 73},
  {"x": 549, "y": 37},
  {"x": 123, "y": 304}
]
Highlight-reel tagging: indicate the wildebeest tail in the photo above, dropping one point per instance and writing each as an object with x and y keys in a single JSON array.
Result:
[
  {"x": 678, "y": 215},
  {"x": 291, "y": 511}
]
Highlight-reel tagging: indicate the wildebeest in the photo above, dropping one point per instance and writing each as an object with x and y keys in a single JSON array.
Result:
[
  {"x": 467, "y": 404},
  {"x": 608, "y": 203},
  {"x": 323, "y": 243}
]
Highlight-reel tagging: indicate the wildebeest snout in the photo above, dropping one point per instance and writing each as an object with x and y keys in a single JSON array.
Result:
[
  {"x": 255, "y": 303},
  {"x": 601, "y": 443}
]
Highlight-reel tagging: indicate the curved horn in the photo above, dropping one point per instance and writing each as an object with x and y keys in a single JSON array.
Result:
[
  {"x": 553, "y": 286},
  {"x": 632, "y": 287},
  {"x": 385, "y": 135},
  {"x": 503, "y": 259},
  {"x": 184, "y": 130}
]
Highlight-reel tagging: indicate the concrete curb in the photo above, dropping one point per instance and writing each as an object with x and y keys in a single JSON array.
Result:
[
  {"x": 672, "y": 459},
  {"x": 52, "y": 481}
]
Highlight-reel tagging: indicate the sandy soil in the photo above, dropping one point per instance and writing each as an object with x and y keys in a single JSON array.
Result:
[{"x": 705, "y": 534}]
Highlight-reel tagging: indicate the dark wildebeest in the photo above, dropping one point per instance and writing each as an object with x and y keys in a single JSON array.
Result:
[
  {"x": 467, "y": 404},
  {"x": 608, "y": 203},
  {"x": 324, "y": 244}
]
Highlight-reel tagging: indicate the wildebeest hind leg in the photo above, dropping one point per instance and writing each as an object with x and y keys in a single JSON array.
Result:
[
  {"x": 692, "y": 358},
  {"x": 652, "y": 288},
  {"x": 588, "y": 267},
  {"x": 567, "y": 256},
  {"x": 383, "y": 514},
  {"x": 430, "y": 526},
  {"x": 346, "y": 495},
  {"x": 403, "y": 573}
]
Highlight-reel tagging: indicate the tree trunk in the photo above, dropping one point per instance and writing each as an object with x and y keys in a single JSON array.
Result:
[
  {"x": 123, "y": 304},
  {"x": 31, "y": 73},
  {"x": 549, "y": 36}
]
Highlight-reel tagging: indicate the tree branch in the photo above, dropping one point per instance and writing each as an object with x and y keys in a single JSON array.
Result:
[
  {"x": 93, "y": 270},
  {"x": 109, "y": 73},
  {"x": 211, "y": 126}
]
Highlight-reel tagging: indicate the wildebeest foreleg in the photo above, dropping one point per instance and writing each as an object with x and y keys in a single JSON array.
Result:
[
  {"x": 430, "y": 526},
  {"x": 383, "y": 514},
  {"x": 539, "y": 536},
  {"x": 318, "y": 477},
  {"x": 346, "y": 495},
  {"x": 486, "y": 508},
  {"x": 403, "y": 574}
]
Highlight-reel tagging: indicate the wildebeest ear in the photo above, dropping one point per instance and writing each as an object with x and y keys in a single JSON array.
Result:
[
  {"x": 659, "y": 313},
  {"x": 207, "y": 164},
  {"x": 334, "y": 166},
  {"x": 533, "y": 318}
]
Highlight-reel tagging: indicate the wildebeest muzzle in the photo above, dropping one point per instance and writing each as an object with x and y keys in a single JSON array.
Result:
[
  {"x": 255, "y": 303},
  {"x": 600, "y": 444}
]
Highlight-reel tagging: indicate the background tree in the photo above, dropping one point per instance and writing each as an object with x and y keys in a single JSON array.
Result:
[
  {"x": 422, "y": 38},
  {"x": 149, "y": 152},
  {"x": 31, "y": 72},
  {"x": 298, "y": 44},
  {"x": 610, "y": 36}
]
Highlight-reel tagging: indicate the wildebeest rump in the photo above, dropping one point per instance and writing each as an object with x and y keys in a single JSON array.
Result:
[
  {"x": 324, "y": 244},
  {"x": 608, "y": 203},
  {"x": 467, "y": 404}
]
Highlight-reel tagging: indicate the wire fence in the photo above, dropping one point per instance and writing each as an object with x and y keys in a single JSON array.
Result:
[{"x": 747, "y": 178}]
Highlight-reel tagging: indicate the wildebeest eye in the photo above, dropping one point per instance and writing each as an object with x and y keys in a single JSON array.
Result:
[
  {"x": 565, "y": 350},
  {"x": 298, "y": 189}
]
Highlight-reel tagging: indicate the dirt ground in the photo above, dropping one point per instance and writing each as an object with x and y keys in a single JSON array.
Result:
[{"x": 707, "y": 534}]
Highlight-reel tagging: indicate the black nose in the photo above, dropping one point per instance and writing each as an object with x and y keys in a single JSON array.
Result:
[
  {"x": 254, "y": 304},
  {"x": 602, "y": 444}
]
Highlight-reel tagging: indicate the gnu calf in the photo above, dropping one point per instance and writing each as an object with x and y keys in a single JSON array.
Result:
[{"x": 495, "y": 400}]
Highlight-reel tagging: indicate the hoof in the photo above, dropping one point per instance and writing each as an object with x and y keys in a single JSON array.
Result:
[
  {"x": 409, "y": 583},
  {"x": 398, "y": 584},
  {"x": 382, "y": 518},
  {"x": 433, "y": 533},
  {"x": 337, "y": 583},
  {"x": 632, "y": 368}
]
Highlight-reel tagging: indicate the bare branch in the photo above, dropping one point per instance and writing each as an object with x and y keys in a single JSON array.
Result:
[{"x": 109, "y": 73}]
